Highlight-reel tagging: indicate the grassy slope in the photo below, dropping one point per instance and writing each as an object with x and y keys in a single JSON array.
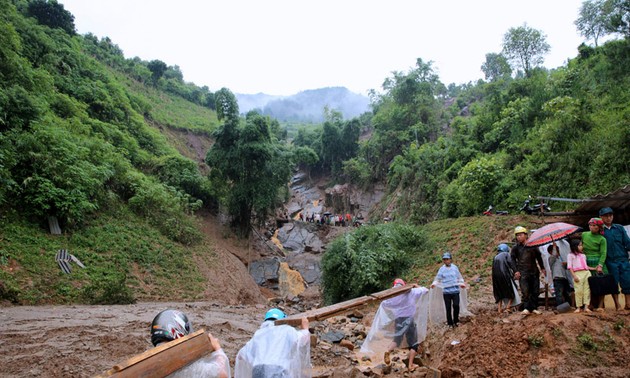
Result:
[{"x": 113, "y": 244}]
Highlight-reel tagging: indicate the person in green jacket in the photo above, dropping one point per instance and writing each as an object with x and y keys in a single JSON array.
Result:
[{"x": 595, "y": 248}]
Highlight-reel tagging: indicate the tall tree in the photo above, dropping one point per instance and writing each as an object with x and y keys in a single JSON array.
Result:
[
  {"x": 496, "y": 66},
  {"x": 250, "y": 168},
  {"x": 525, "y": 47},
  {"x": 594, "y": 19}
]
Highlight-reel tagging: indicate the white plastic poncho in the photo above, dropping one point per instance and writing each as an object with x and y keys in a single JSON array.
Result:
[
  {"x": 275, "y": 351},
  {"x": 215, "y": 365},
  {"x": 437, "y": 310},
  {"x": 412, "y": 305}
]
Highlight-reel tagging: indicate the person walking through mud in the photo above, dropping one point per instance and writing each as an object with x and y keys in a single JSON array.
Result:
[
  {"x": 450, "y": 279},
  {"x": 170, "y": 325},
  {"x": 527, "y": 260},
  {"x": 503, "y": 286},
  {"x": 405, "y": 313},
  {"x": 276, "y": 351},
  {"x": 617, "y": 248}
]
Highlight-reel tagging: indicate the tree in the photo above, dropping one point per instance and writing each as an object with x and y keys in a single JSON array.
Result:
[
  {"x": 496, "y": 66},
  {"x": 525, "y": 47},
  {"x": 250, "y": 167},
  {"x": 226, "y": 106},
  {"x": 157, "y": 68},
  {"x": 594, "y": 19},
  {"x": 619, "y": 17},
  {"x": 52, "y": 14}
]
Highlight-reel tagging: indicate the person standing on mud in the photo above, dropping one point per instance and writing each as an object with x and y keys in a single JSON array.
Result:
[
  {"x": 527, "y": 260},
  {"x": 595, "y": 249},
  {"x": 617, "y": 248},
  {"x": 503, "y": 286},
  {"x": 276, "y": 351},
  {"x": 450, "y": 280}
]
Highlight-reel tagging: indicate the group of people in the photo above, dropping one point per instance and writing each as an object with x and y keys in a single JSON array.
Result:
[
  {"x": 401, "y": 321},
  {"x": 281, "y": 351},
  {"x": 597, "y": 265},
  {"x": 341, "y": 220}
]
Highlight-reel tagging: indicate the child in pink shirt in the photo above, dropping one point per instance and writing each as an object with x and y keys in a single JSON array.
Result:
[{"x": 576, "y": 263}]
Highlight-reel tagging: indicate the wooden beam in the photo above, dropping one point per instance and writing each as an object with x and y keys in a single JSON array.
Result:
[
  {"x": 164, "y": 359},
  {"x": 342, "y": 307}
]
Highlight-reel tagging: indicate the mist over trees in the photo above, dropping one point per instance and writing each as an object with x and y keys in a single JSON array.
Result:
[{"x": 306, "y": 106}]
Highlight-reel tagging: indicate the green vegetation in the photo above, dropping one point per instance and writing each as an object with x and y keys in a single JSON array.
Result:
[
  {"x": 124, "y": 259},
  {"x": 587, "y": 342},
  {"x": 368, "y": 259},
  {"x": 536, "y": 341}
]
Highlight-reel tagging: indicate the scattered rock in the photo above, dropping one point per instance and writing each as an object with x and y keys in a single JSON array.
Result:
[{"x": 347, "y": 344}]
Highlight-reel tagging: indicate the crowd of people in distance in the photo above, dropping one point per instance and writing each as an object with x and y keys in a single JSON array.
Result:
[{"x": 329, "y": 219}]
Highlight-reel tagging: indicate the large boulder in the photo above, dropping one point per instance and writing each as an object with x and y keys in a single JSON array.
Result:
[
  {"x": 299, "y": 236},
  {"x": 265, "y": 272}
]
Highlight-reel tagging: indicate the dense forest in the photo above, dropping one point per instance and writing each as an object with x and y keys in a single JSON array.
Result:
[{"x": 82, "y": 131}]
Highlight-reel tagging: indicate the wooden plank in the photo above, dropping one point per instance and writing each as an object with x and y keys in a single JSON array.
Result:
[
  {"x": 341, "y": 307},
  {"x": 163, "y": 359}
]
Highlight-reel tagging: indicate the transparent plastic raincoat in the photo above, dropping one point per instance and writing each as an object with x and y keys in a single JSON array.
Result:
[
  {"x": 275, "y": 351},
  {"x": 213, "y": 366},
  {"x": 401, "y": 319},
  {"x": 437, "y": 315}
]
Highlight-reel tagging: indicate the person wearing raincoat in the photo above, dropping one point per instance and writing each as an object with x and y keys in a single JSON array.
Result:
[
  {"x": 400, "y": 322},
  {"x": 503, "y": 286},
  {"x": 276, "y": 351},
  {"x": 170, "y": 325},
  {"x": 450, "y": 279}
]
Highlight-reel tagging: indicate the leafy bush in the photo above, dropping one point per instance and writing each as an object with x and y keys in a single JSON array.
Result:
[
  {"x": 367, "y": 260},
  {"x": 108, "y": 290}
]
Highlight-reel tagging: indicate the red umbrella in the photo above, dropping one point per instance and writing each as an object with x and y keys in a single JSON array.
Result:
[{"x": 551, "y": 232}]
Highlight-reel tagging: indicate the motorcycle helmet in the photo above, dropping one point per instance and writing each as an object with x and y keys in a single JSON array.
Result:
[
  {"x": 520, "y": 230},
  {"x": 398, "y": 282},
  {"x": 275, "y": 314},
  {"x": 169, "y": 325},
  {"x": 503, "y": 248}
]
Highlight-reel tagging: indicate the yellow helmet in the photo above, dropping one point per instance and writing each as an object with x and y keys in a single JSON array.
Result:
[{"x": 520, "y": 230}]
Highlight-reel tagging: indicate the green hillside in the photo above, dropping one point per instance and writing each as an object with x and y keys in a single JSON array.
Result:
[{"x": 86, "y": 136}]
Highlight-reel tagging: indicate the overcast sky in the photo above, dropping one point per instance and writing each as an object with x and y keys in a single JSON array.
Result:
[{"x": 282, "y": 47}]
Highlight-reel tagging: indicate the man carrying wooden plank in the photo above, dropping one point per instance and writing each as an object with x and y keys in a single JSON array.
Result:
[
  {"x": 399, "y": 322},
  {"x": 170, "y": 325},
  {"x": 276, "y": 351}
]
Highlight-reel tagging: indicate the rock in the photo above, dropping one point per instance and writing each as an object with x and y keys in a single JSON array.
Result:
[
  {"x": 314, "y": 340},
  {"x": 265, "y": 272},
  {"x": 333, "y": 336},
  {"x": 347, "y": 344}
]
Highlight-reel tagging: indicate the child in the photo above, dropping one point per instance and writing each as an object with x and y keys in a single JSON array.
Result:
[
  {"x": 560, "y": 282},
  {"x": 576, "y": 263},
  {"x": 450, "y": 279}
]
